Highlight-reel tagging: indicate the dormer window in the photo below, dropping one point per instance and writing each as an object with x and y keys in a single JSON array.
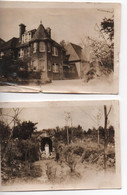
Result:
[
  {"x": 34, "y": 47},
  {"x": 54, "y": 51},
  {"x": 42, "y": 46}
]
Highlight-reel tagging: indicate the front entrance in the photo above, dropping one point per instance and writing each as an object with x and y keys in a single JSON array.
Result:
[
  {"x": 70, "y": 71},
  {"x": 46, "y": 146}
]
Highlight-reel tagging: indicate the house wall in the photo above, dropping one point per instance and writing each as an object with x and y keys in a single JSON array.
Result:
[
  {"x": 78, "y": 68},
  {"x": 44, "y": 61},
  {"x": 58, "y": 60}
]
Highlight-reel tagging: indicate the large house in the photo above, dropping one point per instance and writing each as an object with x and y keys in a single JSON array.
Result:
[
  {"x": 44, "y": 55},
  {"x": 41, "y": 52}
]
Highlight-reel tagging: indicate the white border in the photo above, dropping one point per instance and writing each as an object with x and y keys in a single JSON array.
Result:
[{"x": 123, "y": 108}]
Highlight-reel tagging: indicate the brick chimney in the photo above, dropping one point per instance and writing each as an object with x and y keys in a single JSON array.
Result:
[
  {"x": 22, "y": 29},
  {"x": 49, "y": 31}
]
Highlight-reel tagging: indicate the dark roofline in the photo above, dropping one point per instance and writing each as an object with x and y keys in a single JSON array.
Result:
[
  {"x": 73, "y": 44},
  {"x": 22, "y": 24},
  {"x": 10, "y": 43},
  {"x": 2, "y": 40}
]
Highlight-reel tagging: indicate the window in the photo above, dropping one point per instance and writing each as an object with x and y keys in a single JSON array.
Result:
[
  {"x": 55, "y": 68},
  {"x": 42, "y": 64},
  {"x": 1, "y": 54},
  {"x": 34, "y": 47},
  {"x": 21, "y": 53},
  {"x": 28, "y": 51},
  {"x": 41, "y": 46},
  {"x": 23, "y": 40},
  {"x": 28, "y": 36},
  {"x": 49, "y": 66},
  {"x": 35, "y": 65},
  {"x": 54, "y": 51},
  {"x": 49, "y": 47}
]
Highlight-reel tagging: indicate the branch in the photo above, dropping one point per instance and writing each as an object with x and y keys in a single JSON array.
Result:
[{"x": 109, "y": 110}]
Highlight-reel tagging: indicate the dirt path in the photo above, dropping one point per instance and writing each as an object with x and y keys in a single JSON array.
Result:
[{"x": 44, "y": 165}]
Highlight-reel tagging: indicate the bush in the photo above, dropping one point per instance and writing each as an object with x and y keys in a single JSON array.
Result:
[{"x": 78, "y": 150}]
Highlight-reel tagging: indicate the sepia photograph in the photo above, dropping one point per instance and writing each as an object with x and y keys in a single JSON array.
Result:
[
  {"x": 59, "y": 47},
  {"x": 60, "y": 145}
]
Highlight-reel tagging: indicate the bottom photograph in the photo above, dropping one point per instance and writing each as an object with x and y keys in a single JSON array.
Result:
[{"x": 60, "y": 145}]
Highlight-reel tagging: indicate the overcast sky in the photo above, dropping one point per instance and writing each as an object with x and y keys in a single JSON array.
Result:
[
  {"x": 53, "y": 114},
  {"x": 66, "y": 24}
]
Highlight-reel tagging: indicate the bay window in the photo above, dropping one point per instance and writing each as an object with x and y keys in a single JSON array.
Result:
[{"x": 41, "y": 46}]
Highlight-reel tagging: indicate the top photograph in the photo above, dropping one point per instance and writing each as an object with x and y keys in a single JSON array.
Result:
[{"x": 60, "y": 47}]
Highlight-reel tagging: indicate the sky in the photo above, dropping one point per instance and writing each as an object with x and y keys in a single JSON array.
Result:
[
  {"x": 67, "y": 24},
  {"x": 52, "y": 115}
]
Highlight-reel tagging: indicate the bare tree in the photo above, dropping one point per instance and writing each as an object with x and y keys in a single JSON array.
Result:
[
  {"x": 106, "y": 114},
  {"x": 67, "y": 119},
  {"x": 14, "y": 120}
]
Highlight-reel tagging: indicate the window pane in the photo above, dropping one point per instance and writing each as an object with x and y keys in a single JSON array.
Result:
[
  {"x": 56, "y": 51},
  {"x": 34, "y": 47},
  {"x": 41, "y": 46}
]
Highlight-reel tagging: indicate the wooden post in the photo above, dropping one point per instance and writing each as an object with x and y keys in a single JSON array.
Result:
[
  {"x": 98, "y": 137},
  {"x": 67, "y": 136},
  {"x": 105, "y": 137}
]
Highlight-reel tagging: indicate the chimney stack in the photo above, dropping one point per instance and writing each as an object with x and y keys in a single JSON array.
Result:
[
  {"x": 22, "y": 29},
  {"x": 49, "y": 31}
]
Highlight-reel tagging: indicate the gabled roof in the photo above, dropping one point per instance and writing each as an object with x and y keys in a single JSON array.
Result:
[
  {"x": 1, "y": 42},
  {"x": 74, "y": 51},
  {"x": 40, "y": 33},
  {"x": 77, "y": 49},
  {"x": 10, "y": 44}
]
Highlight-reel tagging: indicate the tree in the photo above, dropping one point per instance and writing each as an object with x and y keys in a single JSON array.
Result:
[
  {"x": 107, "y": 26},
  {"x": 103, "y": 52},
  {"x": 101, "y": 49},
  {"x": 24, "y": 130},
  {"x": 63, "y": 43},
  {"x": 4, "y": 131},
  {"x": 14, "y": 121},
  {"x": 106, "y": 135},
  {"x": 67, "y": 119}
]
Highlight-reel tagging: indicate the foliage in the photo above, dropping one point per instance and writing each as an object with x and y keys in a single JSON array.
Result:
[
  {"x": 70, "y": 158},
  {"x": 63, "y": 43},
  {"x": 107, "y": 26},
  {"x": 103, "y": 52},
  {"x": 4, "y": 136},
  {"x": 4, "y": 131},
  {"x": 93, "y": 133},
  {"x": 21, "y": 150},
  {"x": 17, "y": 70},
  {"x": 24, "y": 130},
  {"x": 29, "y": 149},
  {"x": 73, "y": 133}
]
